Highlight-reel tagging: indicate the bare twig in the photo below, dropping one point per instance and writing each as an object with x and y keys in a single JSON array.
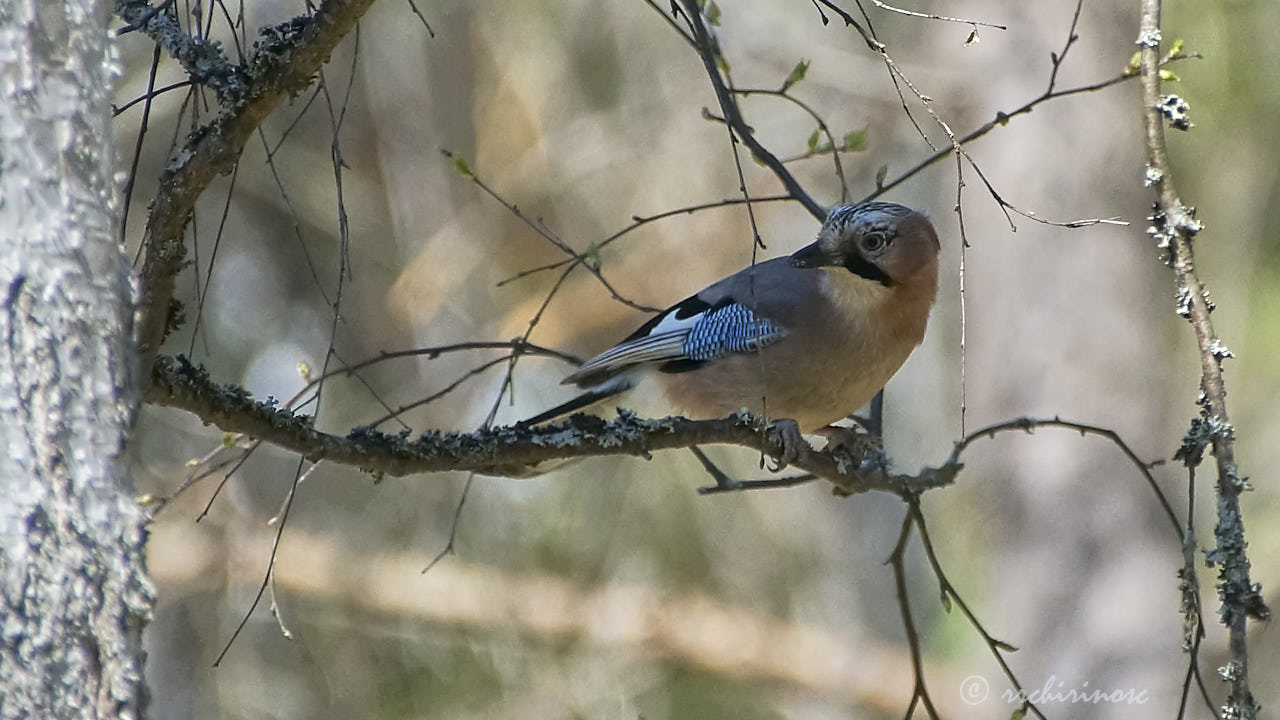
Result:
[
  {"x": 266, "y": 576},
  {"x": 822, "y": 128},
  {"x": 574, "y": 257},
  {"x": 931, "y": 16},
  {"x": 414, "y": 7},
  {"x": 1026, "y": 424},
  {"x": 1003, "y": 117},
  {"x": 202, "y": 289},
  {"x": 151, "y": 92},
  {"x": 669, "y": 19},
  {"x": 920, "y": 693},
  {"x": 639, "y": 221},
  {"x": 281, "y": 519},
  {"x": 956, "y": 147},
  {"x": 725, "y": 483},
  {"x": 454, "y": 524},
  {"x": 948, "y": 594},
  {"x": 517, "y": 346},
  {"x": 240, "y": 461},
  {"x": 849, "y": 21},
  {"x": 1192, "y": 610}
]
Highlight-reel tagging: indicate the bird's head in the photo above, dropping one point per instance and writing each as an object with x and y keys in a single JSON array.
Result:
[{"x": 883, "y": 242}]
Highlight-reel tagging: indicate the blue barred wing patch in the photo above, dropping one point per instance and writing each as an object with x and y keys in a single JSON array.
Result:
[{"x": 727, "y": 329}]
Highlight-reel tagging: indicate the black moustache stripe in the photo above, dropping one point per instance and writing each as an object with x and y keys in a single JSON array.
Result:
[{"x": 861, "y": 267}]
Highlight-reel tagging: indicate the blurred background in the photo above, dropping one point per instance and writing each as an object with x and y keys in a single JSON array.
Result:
[{"x": 611, "y": 589}]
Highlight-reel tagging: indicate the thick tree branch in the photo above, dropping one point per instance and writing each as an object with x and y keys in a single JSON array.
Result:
[
  {"x": 287, "y": 58},
  {"x": 1174, "y": 227},
  {"x": 513, "y": 451}
]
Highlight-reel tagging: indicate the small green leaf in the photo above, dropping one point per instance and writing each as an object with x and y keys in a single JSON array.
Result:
[
  {"x": 855, "y": 140},
  {"x": 946, "y": 602},
  {"x": 713, "y": 14},
  {"x": 460, "y": 166},
  {"x": 722, "y": 64},
  {"x": 882, "y": 172},
  {"x": 813, "y": 141},
  {"x": 1135, "y": 62},
  {"x": 1175, "y": 50},
  {"x": 592, "y": 254},
  {"x": 796, "y": 74},
  {"x": 1018, "y": 714},
  {"x": 1168, "y": 76}
]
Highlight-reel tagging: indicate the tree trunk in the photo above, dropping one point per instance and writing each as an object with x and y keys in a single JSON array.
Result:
[{"x": 74, "y": 596}]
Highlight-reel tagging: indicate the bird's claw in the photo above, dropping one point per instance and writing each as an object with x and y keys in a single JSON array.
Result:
[{"x": 792, "y": 441}]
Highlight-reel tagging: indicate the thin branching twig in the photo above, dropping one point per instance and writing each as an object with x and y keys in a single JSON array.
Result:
[{"x": 1174, "y": 228}]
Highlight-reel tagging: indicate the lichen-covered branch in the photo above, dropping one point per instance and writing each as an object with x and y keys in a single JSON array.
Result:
[
  {"x": 1174, "y": 227},
  {"x": 512, "y": 451},
  {"x": 201, "y": 58},
  {"x": 284, "y": 63}
]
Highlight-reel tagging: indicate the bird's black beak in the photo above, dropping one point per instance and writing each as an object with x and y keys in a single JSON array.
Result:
[{"x": 810, "y": 256}]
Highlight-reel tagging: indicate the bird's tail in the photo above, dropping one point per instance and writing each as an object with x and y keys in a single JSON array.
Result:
[{"x": 599, "y": 393}]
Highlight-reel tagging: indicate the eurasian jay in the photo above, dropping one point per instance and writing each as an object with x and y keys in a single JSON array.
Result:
[{"x": 810, "y": 337}]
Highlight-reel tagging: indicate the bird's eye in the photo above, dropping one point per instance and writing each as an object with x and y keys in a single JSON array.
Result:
[{"x": 874, "y": 241}]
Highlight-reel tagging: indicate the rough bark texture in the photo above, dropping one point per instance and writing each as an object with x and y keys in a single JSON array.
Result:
[{"x": 73, "y": 591}]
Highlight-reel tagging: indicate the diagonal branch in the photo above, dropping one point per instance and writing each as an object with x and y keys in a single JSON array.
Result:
[
  {"x": 733, "y": 116},
  {"x": 287, "y": 59},
  {"x": 920, "y": 693}
]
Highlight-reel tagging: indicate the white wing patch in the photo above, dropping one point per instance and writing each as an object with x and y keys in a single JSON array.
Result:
[{"x": 648, "y": 349}]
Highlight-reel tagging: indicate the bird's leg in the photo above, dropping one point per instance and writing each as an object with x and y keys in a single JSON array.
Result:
[
  {"x": 866, "y": 423},
  {"x": 793, "y": 444},
  {"x": 874, "y": 422}
]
